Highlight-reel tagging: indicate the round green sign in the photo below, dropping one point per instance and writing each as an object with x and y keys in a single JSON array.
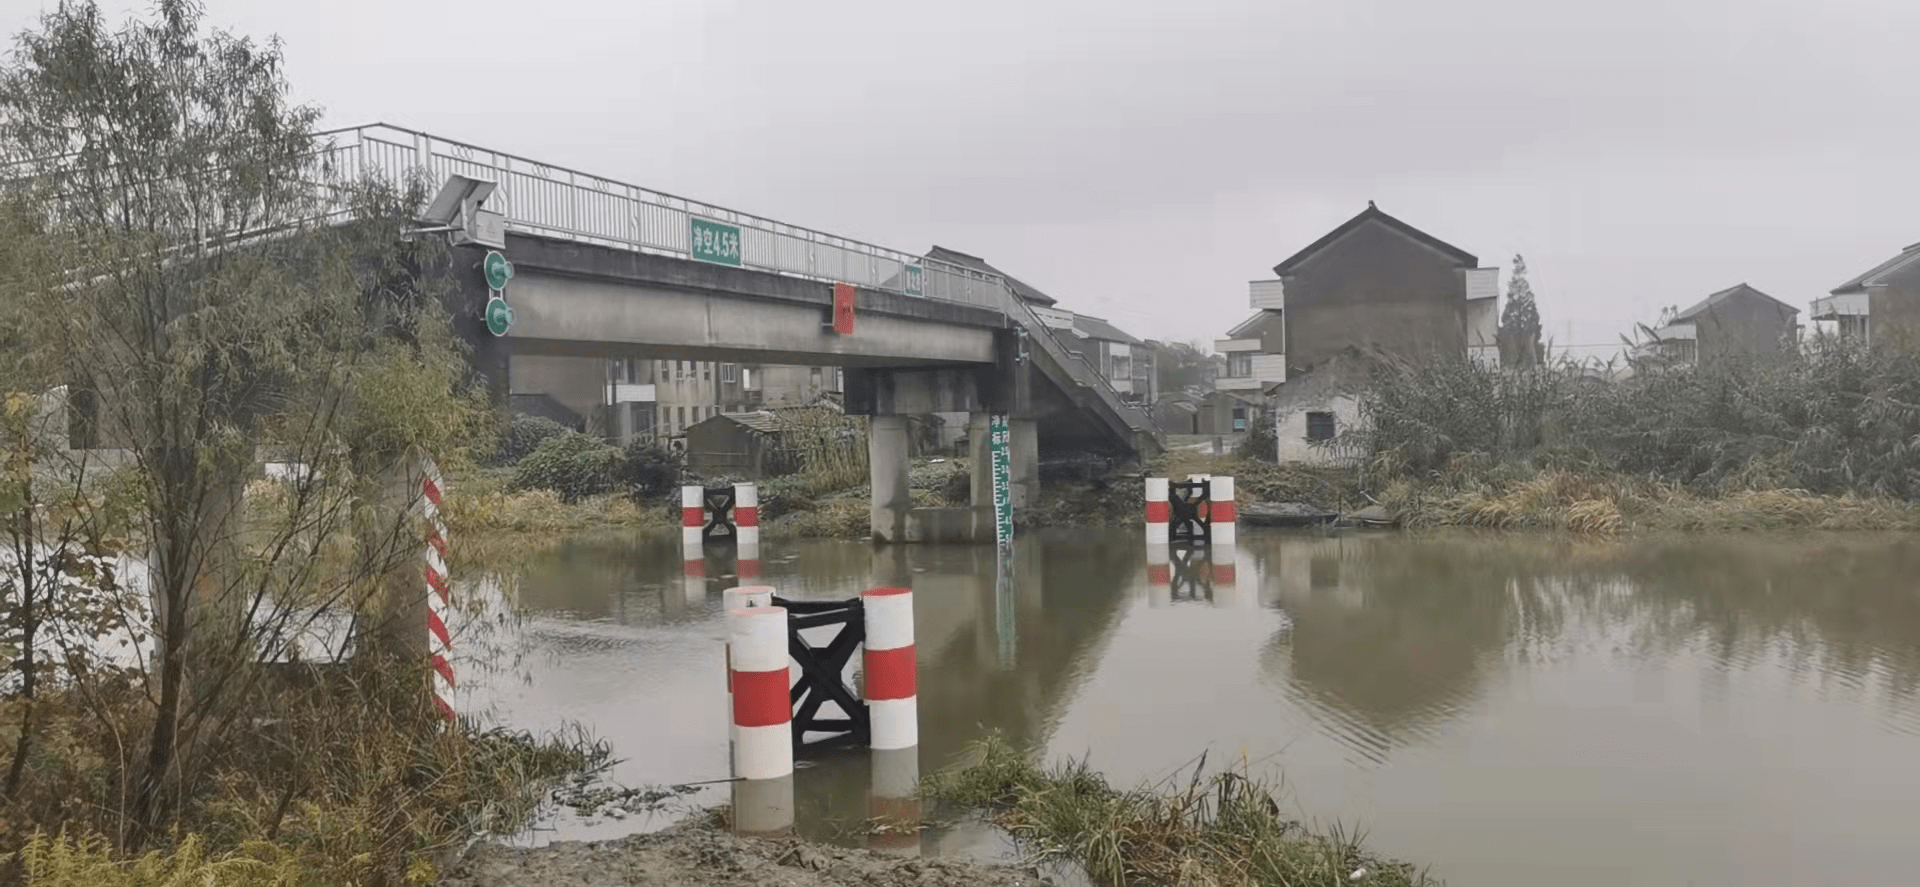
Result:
[
  {"x": 498, "y": 269},
  {"x": 499, "y": 316}
]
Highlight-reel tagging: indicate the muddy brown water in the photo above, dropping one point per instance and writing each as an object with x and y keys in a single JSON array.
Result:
[{"x": 1507, "y": 710}]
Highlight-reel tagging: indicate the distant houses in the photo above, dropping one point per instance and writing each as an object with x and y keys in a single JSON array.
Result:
[
  {"x": 1880, "y": 304},
  {"x": 1373, "y": 286},
  {"x": 1738, "y": 320}
]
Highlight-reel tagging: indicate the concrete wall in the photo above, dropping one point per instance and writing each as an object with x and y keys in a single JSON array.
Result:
[
  {"x": 1743, "y": 323},
  {"x": 1893, "y": 310},
  {"x": 1374, "y": 288},
  {"x": 1290, "y": 429},
  {"x": 578, "y": 383}
]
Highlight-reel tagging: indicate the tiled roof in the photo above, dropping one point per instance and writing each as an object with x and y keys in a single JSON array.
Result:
[{"x": 1373, "y": 213}]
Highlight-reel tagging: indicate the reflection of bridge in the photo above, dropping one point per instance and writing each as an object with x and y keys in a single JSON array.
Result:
[{"x": 604, "y": 269}]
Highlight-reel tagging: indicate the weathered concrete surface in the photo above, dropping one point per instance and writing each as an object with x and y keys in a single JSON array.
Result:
[
  {"x": 581, "y": 300},
  {"x": 887, "y": 467}
]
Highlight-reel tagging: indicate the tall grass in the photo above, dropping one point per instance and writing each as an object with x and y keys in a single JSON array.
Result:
[{"x": 1224, "y": 828}]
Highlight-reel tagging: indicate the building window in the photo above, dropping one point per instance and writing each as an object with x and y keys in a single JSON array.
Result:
[
  {"x": 726, "y": 372},
  {"x": 706, "y": 372},
  {"x": 839, "y": 380},
  {"x": 680, "y": 418},
  {"x": 1320, "y": 426},
  {"x": 813, "y": 378},
  {"x": 1240, "y": 365},
  {"x": 1239, "y": 418}
]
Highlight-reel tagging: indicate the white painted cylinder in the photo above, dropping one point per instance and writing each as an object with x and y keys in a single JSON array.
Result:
[
  {"x": 1223, "y": 513},
  {"x": 763, "y": 808},
  {"x": 1159, "y": 575},
  {"x": 1159, "y": 512},
  {"x": 746, "y": 515},
  {"x": 760, "y": 680},
  {"x": 893, "y": 801},
  {"x": 889, "y": 675},
  {"x": 693, "y": 514}
]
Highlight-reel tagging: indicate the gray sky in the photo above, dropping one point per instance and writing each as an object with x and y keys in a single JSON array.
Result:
[{"x": 1144, "y": 161}]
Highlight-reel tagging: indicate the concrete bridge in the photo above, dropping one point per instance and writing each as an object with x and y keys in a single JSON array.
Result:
[{"x": 604, "y": 269}]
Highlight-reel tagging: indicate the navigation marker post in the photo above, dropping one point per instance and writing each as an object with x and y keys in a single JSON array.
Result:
[{"x": 499, "y": 314}]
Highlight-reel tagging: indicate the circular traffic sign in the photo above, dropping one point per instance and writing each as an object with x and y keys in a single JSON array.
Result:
[
  {"x": 498, "y": 269},
  {"x": 499, "y": 316}
]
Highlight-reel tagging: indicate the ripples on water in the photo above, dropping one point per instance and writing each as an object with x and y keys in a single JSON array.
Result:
[{"x": 1509, "y": 710}]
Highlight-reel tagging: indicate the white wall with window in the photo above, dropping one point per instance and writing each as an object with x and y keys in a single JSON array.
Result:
[{"x": 1310, "y": 431}]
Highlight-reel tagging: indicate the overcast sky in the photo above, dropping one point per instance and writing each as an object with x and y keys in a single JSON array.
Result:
[{"x": 1143, "y": 161}]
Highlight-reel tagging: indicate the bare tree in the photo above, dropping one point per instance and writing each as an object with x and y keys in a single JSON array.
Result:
[{"x": 213, "y": 304}]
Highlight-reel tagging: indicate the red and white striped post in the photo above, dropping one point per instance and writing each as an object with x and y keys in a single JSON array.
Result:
[
  {"x": 746, "y": 513},
  {"x": 1223, "y": 516},
  {"x": 758, "y": 676},
  {"x": 740, "y": 597},
  {"x": 1159, "y": 575},
  {"x": 893, "y": 801},
  {"x": 1159, "y": 512},
  {"x": 439, "y": 598},
  {"x": 693, "y": 514},
  {"x": 891, "y": 680}
]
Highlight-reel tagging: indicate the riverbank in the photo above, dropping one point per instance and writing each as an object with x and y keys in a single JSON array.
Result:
[
  {"x": 699, "y": 852},
  {"x": 1471, "y": 493}
]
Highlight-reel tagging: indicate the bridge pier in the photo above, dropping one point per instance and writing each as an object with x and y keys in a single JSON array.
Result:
[
  {"x": 1024, "y": 458},
  {"x": 887, "y": 465}
]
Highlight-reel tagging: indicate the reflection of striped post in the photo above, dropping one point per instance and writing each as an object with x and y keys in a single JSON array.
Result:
[
  {"x": 893, "y": 801},
  {"x": 1220, "y": 490},
  {"x": 738, "y": 598},
  {"x": 693, "y": 514},
  {"x": 693, "y": 567},
  {"x": 746, "y": 558},
  {"x": 439, "y": 598},
  {"x": 1159, "y": 575},
  {"x": 1228, "y": 594},
  {"x": 763, "y": 808},
  {"x": 892, "y": 691},
  {"x": 746, "y": 513},
  {"x": 1158, "y": 511},
  {"x": 758, "y": 677}
]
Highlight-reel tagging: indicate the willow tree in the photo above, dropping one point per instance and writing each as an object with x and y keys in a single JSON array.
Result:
[{"x": 222, "y": 297}]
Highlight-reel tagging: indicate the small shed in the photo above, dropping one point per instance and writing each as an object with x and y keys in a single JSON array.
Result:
[{"x": 732, "y": 444}]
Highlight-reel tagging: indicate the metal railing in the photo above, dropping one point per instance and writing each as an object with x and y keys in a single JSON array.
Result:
[{"x": 555, "y": 201}]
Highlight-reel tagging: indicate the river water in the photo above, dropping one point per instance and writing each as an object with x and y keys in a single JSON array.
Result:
[{"x": 1507, "y": 710}]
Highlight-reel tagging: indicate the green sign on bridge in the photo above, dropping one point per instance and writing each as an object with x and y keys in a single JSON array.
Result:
[{"x": 711, "y": 241}]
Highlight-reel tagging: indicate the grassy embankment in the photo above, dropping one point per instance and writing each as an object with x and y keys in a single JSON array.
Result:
[{"x": 1226, "y": 828}]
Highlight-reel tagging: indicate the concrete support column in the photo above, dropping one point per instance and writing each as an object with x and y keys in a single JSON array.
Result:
[{"x": 887, "y": 465}]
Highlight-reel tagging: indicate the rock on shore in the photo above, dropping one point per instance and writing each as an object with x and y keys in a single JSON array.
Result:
[{"x": 703, "y": 855}]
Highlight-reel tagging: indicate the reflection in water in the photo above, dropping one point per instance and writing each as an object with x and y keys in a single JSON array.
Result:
[{"x": 1509, "y": 710}]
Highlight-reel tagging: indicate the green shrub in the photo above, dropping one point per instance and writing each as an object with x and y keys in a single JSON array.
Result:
[
  {"x": 524, "y": 435},
  {"x": 648, "y": 470},
  {"x": 572, "y": 465}
]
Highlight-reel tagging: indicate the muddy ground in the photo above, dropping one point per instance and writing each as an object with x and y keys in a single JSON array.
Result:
[{"x": 702, "y": 854}]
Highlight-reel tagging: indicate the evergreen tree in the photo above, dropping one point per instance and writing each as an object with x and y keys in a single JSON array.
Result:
[{"x": 1519, "y": 336}]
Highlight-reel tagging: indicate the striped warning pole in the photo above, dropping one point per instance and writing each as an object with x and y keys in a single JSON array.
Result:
[
  {"x": 439, "y": 599},
  {"x": 739, "y": 598},
  {"x": 890, "y": 676},
  {"x": 693, "y": 514},
  {"x": 1224, "y": 517},
  {"x": 1158, "y": 511},
  {"x": 893, "y": 801},
  {"x": 762, "y": 708},
  {"x": 746, "y": 512}
]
